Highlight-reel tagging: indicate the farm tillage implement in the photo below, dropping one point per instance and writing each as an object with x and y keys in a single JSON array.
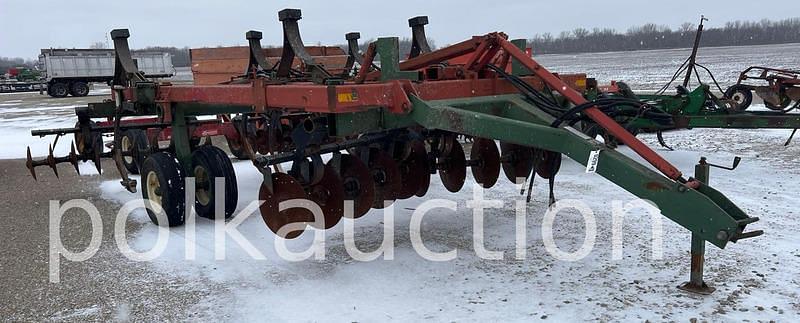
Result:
[
  {"x": 701, "y": 107},
  {"x": 384, "y": 125}
]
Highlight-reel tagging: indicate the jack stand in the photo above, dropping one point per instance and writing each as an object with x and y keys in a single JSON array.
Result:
[{"x": 696, "y": 284}]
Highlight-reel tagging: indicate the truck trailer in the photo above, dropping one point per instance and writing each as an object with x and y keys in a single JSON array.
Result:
[{"x": 70, "y": 71}]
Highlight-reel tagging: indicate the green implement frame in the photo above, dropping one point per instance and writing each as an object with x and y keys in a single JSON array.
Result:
[
  {"x": 702, "y": 109},
  {"x": 704, "y": 210}
]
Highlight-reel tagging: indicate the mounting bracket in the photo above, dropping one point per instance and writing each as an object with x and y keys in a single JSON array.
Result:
[{"x": 293, "y": 47}]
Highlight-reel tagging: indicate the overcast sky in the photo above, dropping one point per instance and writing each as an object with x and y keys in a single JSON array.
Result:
[{"x": 26, "y": 26}]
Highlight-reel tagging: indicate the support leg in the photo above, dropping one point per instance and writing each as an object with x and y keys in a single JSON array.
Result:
[{"x": 696, "y": 284}]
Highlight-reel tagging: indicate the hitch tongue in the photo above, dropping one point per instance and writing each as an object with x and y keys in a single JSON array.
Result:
[
  {"x": 739, "y": 235},
  {"x": 746, "y": 235}
]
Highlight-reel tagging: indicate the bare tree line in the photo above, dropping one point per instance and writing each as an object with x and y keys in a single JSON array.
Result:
[
  {"x": 653, "y": 36},
  {"x": 648, "y": 36}
]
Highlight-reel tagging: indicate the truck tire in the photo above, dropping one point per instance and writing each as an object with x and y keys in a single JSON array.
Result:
[
  {"x": 58, "y": 90},
  {"x": 79, "y": 89},
  {"x": 208, "y": 163},
  {"x": 741, "y": 94},
  {"x": 162, "y": 183}
]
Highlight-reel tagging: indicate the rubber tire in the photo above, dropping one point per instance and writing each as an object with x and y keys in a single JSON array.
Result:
[
  {"x": 58, "y": 90},
  {"x": 745, "y": 91},
  {"x": 217, "y": 164},
  {"x": 138, "y": 139},
  {"x": 170, "y": 178},
  {"x": 79, "y": 89}
]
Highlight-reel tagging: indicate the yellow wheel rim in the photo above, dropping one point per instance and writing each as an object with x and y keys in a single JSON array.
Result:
[
  {"x": 153, "y": 188},
  {"x": 126, "y": 147},
  {"x": 202, "y": 186}
]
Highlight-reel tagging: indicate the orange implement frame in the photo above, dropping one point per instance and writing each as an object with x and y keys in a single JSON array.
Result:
[{"x": 393, "y": 94}]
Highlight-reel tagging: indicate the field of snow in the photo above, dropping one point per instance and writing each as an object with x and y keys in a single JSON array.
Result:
[
  {"x": 22, "y": 112},
  {"x": 756, "y": 279},
  {"x": 651, "y": 69}
]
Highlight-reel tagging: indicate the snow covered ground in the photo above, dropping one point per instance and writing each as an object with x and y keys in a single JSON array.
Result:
[
  {"x": 22, "y": 112},
  {"x": 757, "y": 279},
  {"x": 651, "y": 69}
]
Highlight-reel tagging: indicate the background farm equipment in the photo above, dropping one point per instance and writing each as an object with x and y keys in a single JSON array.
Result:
[
  {"x": 384, "y": 130},
  {"x": 21, "y": 79},
  {"x": 779, "y": 88},
  {"x": 24, "y": 74},
  {"x": 701, "y": 107}
]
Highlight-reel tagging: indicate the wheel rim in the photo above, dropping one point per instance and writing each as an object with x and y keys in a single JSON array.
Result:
[
  {"x": 126, "y": 148},
  {"x": 153, "y": 188},
  {"x": 202, "y": 190},
  {"x": 738, "y": 97}
]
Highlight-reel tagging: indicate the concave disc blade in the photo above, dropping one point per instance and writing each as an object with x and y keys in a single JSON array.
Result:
[
  {"x": 328, "y": 193},
  {"x": 284, "y": 187},
  {"x": 358, "y": 184},
  {"x": 386, "y": 176},
  {"x": 412, "y": 173},
  {"x": 487, "y": 170},
  {"x": 418, "y": 149},
  {"x": 548, "y": 163},
  {"x": 453, "y": 168},
  {"x": 517, "y": 161}
]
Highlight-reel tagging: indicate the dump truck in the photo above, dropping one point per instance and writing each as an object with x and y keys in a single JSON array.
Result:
[{"x": 70, "y": 71}]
